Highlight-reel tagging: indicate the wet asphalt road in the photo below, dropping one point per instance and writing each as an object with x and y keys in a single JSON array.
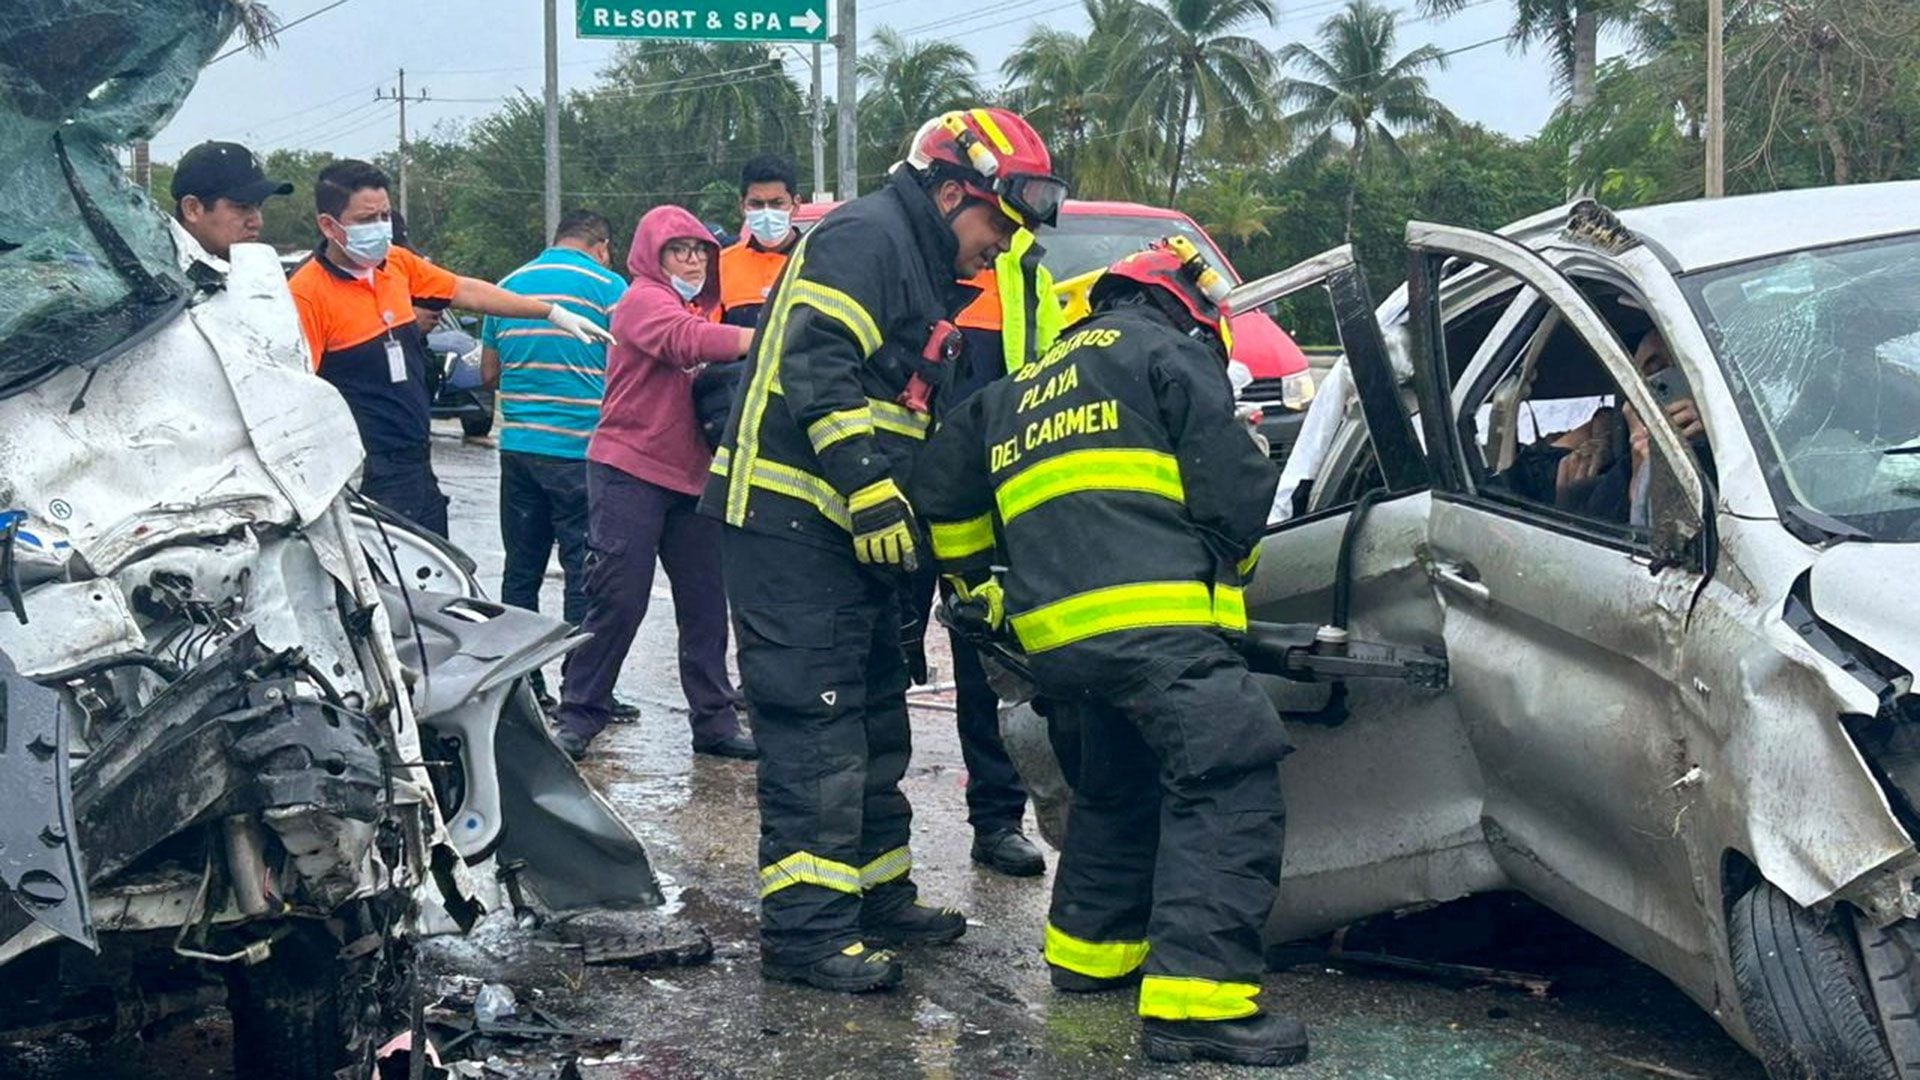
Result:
[{"x": 981, "y": 1007}]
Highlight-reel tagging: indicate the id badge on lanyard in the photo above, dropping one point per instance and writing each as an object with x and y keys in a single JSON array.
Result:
[{"x": 396, "y": 361}]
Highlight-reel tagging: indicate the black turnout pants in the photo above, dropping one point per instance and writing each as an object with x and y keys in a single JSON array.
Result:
[
  {"x": 1173, "y": 840},
  {"x": 820, "y": 661}
]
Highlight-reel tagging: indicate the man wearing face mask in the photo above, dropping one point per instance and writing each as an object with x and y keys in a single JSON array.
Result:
[
  {"x": 645, "y": 468},
  {"x": 748, "y": 269},
  {"x": 821, "y": 539},
  {"x": 356, "y": 297}
]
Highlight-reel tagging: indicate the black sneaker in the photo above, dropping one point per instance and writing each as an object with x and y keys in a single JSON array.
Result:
[
  {"x": 623, "y": 711},
  {"x": 1008, "y": 852},
  {"x": 1260, "y": 1039},
  {"x": 855, "y": 969},
  {"x": 914, "y": 924},
  {"x": 1072, "y": 982}
]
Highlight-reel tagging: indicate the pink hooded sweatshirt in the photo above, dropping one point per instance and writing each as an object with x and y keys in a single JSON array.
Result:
[{"x": 647, "y": 426}]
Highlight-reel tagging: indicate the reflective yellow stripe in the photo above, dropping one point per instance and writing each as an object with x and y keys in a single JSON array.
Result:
[
  {"x": 894, "y": 864},
  {"x": 898, "y": 419},
  {"x": 766, "y": 376},
  {"x": 844, "y": 310},
  {"x": 806, "y": 868},
  {"x": 791, "y": 482},
  {"x": 959, "y": 539},
  {"x": 1230, "y": 607},
  {"x": 1247, "y": 565},
  {"x": 1095, "y": 959},
  {"x": 838, "y": 427},
  {"x": 998, "y": 137},
  {"x": 1148, "y": 471},
  {"x": 1109, "y": 610},
  {"x": 1172, "y": 997},
  {"x": 794, "y": 484}
]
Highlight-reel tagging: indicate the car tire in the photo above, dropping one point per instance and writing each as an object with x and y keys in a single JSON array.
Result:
[
  {"x": 296, "y": 1015},
  {"x": 1891, "y": 955},
  {"x": 1805, "y": 991},
  {"x": 476, "y": 427}
]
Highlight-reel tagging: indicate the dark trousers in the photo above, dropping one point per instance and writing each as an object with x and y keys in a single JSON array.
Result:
[
  {"x": 996, "y": 800},
  {"x": 543, "y": 502},
  {"x": 630, "y": 523},
  {"x": 403, "y": 482},
  {"x": 1173, "y": 840},
  {"x": 821, "y": 665}
]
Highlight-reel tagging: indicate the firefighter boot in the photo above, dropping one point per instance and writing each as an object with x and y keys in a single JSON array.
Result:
[
  {"x": 1260, "y": 1039},
  {"x": 855, "y": 969},
  {"x": 913, "y": 924}
]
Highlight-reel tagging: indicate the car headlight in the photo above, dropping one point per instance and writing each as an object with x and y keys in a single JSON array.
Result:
[
  {"x": 471, "y": 358},
  {"x": 1296, "y": 390}
]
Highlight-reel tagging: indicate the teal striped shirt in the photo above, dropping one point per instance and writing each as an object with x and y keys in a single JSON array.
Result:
[{"x": 550, "y": 383}]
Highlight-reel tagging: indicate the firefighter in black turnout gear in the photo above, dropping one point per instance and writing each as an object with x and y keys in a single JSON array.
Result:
[
  {"x": 809, "y": 476},
  {"x": 1125, "y": 503}
]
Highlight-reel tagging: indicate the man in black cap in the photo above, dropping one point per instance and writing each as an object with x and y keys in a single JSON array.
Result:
[{"x": 217, "y": 191}]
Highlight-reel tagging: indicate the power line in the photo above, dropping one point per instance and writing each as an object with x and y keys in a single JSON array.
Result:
[{"x": 278, "y": 30}]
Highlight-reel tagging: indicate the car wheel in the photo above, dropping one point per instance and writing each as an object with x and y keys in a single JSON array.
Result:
[
  {"x": 1892, "y": 958},
  {"x": 1805, "y": 991},
  {"x": 476, "y": 427},
  {"x": 296, "y": 1015}
]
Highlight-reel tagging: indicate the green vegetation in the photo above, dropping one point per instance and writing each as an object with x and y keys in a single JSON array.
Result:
[{"x": 1279, "y": 153}]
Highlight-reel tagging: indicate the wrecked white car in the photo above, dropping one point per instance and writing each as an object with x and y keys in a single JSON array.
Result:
[
  {"x": 1666, "y": 690},
  {"x": 252, "y": 741}
]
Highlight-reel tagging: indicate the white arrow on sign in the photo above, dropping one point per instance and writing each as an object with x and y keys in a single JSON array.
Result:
[{"x": 810, "y": 22}]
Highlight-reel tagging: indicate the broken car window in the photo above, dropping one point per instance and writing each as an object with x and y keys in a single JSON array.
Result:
[
  {"x": 86, "y": 263},
  {"x": 1825, "y": 348}
]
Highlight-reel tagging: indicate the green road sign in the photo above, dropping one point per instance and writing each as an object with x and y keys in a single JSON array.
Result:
[{"x": 711, "y": 20}]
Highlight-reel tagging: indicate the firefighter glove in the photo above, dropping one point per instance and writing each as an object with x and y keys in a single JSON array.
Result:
[
  {"x": 883, "y": 526},
  {"x": 983, "y": 602},
  {"x": 579, "y": 326}
]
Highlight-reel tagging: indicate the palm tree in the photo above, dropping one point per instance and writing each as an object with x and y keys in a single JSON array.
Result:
[
  {"x": 1191, "y": 65},
  {"x": 908, "y": 82},
  {"x": 1569, "y": 28},
  {"x": 1233, "y": 208},
  {"x": 1075, "y": 91},
  {"x": 719, "y": 96},
  {"x": 1350, "y": 83}
]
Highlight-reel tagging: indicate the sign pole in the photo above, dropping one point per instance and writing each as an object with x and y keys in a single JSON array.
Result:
[
  {"x": 551, "y": 188},
  {"x": 848, "y": 79},
  {"x": 819, "y": 130}
]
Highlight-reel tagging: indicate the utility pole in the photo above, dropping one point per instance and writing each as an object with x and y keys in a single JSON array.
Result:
[
  {"x": 552, "y": 186},
  {"x": 401, "y": 96},
  {"x": 820, "y": 190},
  {"x": 143, "y": 166},
  {"x": 1716, "y": 184},
  {"x": 848, "y": 79}
]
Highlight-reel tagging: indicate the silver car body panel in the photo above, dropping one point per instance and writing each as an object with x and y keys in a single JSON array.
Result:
[{"x": 1624, "y": 736}]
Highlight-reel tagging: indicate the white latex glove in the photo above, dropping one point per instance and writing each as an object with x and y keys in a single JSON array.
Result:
[{"x": 580, "y": 327}]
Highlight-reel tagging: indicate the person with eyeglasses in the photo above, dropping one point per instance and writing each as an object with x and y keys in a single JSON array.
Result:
[{"x": 646, "y": 466}]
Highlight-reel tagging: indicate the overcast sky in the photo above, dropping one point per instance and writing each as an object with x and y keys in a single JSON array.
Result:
[{"x": 316, "y": 90}]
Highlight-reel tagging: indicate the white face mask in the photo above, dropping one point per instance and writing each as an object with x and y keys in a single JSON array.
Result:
[
  {"x": 769, "y": 226},
  {"x": 368, "y": 242},
  {"x": 687, "y": 289}
]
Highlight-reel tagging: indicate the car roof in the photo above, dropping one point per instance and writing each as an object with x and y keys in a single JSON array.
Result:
[{"x": 1704, "y": 233}]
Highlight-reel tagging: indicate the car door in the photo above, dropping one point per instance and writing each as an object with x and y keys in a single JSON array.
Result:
[
  {"x": 1564, "y": 631},
  {"x": 1383, "y": 806}
]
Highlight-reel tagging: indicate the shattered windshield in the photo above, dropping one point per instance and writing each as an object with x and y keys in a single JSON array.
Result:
[
  {"x": 1083, "y": 243},
  {"x": 86, "y": 263},
  {"x": 1824, "y": 347}
]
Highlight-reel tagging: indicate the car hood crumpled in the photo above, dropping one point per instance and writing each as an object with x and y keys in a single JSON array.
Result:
[{"x": 1870, "y": 592}]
